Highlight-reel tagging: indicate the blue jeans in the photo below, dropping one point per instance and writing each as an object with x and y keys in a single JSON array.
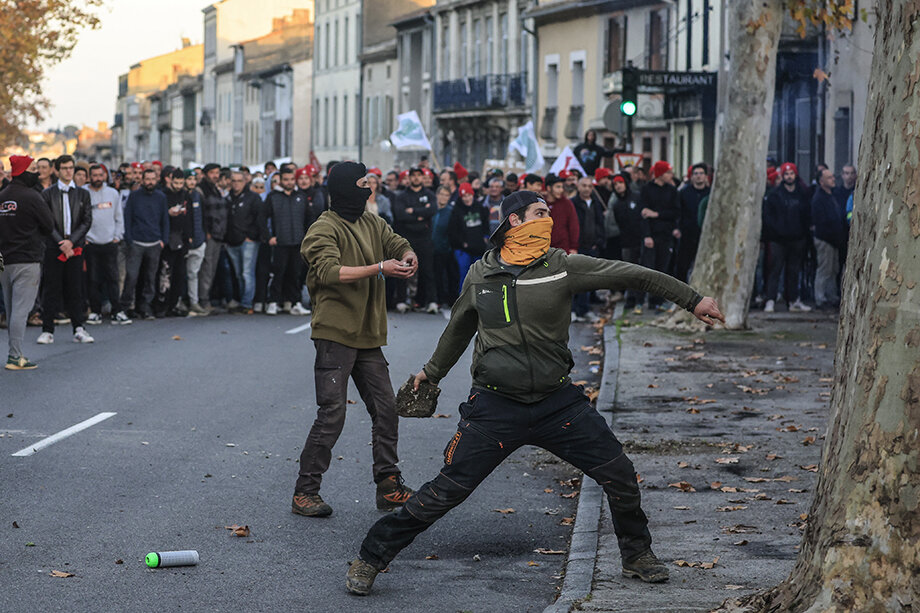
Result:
[{"x": 243, "y": 259}]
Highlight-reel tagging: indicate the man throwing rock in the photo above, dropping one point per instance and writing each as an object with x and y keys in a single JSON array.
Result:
[
  {"x": 349, "y": 253},
  {"x": 517, "y": 299}
]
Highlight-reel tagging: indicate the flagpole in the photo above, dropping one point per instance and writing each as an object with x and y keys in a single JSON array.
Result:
[{"x": 434, "y": 158}]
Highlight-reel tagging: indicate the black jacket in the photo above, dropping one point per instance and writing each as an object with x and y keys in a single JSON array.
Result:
[
  {"x": 591, "y": 233},
  {"x": 24, "y": 219},
  {"x": 416, "y": 224},
  {"x": 214, "y": 210},
  {"x": 289, "y": 216},
  {"x": 628, "y": 214},
  {"x": 828, "y": 219},
  {"x": 590, "y": 156},
  {"x": 786, "y": 215},
  {"x": 81, "y": 214},
  {"x": 179, "y": 227},
  {"x": 245, "y": 218},
  {"x": 468, "y": 228},
  {"x": 690, "y": 199},
  {"x": 664, "y": 200}
]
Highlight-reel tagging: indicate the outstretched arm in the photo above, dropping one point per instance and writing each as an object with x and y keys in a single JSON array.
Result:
[{"x": 464, "y": 320}]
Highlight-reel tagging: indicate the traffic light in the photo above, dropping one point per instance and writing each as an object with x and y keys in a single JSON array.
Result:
[{"x": 630, "y": 93}]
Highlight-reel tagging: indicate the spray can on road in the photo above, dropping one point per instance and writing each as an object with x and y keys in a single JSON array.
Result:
[{"x": 159, "y": 559}]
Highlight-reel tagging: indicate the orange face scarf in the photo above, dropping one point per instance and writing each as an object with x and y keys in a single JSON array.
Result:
[{"x": 527, "y": 242}]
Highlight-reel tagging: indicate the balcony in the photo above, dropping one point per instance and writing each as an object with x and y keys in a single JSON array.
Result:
[{"x": 475, "y": 93}]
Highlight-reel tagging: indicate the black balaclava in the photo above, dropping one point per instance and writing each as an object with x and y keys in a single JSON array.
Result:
[{"x": 347, "y": 199}]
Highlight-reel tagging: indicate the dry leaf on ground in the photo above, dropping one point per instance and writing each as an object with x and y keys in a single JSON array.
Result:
[
  {"x": 504, "y": 511},
  {"x": 177, "y": 338},
  {"x": 683, "y": 464},
  {"x": 682, "y": 486},
  {"x": 549, "y": 552},
  {"x": 567, "y": 521},
  {"x": 61, "y": 574},
  {"x": 442, "y": 416},
  {"x": 432, "y": 557},
  {"x": 569, "y": 495},
  {"x": 532, "y": 563},
  {"x": 730, "y": 509},
  {"x": 740, "y": 529},
  {"x": 548, "y": 490},
  {"x": 756, "y": 479},
  {"x": 811, "y": 468},
  {"x": 773, "y": 456},
  {"x": 808, "y": 440},
  {"x": 726, "y": 460},
  {"x": 235, "y": 530}
]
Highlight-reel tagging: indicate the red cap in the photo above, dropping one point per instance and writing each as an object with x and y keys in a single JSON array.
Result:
[
  {"x": 301, "y": 172},
  {"x": 462, "y": 172},
  {"x": 466, "y": 188},
  {"x": 311, "y": 169},
  {"x": 660, "y": 167},
  {"x": 602, "y": 173},
  {"x": 157, "y": 163},
  {"x": 375, "y": 171},
  {"x": 404, "y": 175},
  {"x": 136, "y": 165},
  {"x": 619, "y": 179},
  {"x": 427, "y": 172},
  {"x": 772, "y": 175},
  {"x": 565, "y": 173},
  {"x": 788, "y": 166},
  {"x": 19, "y": 164}
]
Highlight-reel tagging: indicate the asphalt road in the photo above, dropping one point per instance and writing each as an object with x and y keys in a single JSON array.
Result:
[{"x": 207, "y": 433}]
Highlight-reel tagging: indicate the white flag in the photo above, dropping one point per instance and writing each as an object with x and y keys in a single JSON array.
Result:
[
  {"x": 526, "y": 144},
  {"x": 409, "y": 132},
  {"x": 567, "y": 161}
]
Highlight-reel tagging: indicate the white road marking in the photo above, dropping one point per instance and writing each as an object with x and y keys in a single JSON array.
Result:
[
  {"x": 46, "y": 442},
  {"x": 298, "y": 329}
]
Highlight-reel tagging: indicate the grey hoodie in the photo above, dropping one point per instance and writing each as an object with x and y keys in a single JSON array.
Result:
[{"x": 108, "y": 220}]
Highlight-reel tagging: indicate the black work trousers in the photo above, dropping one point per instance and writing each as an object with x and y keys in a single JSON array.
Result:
[
  {"x": 658, "y": 258},
  {"x": 102, "y": 275},
  {"x": 335, "y": 363},
  {"x": 785, "y": 260},
  {"x": 286, "y": 266},
  {"x": 492, "y": 427},
  {"x": 62, "y": 285}
]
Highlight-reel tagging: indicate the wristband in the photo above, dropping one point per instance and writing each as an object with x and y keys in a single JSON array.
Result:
[{"x": 380, "y": 270}]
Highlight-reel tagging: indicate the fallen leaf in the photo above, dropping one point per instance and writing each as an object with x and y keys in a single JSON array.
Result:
[
  {"x": 432, "y": 557},
  {"x": 639, "y": 478},
  {"x": 693, "y": 410},
  {"x": 808, "y": 440},
  {"x": 826, "y": 380},
  {"x": 594, "y": 363},
  {"x": 740, "y": 529},
  {"x": 350, "y": 401},
  {"x": 681, "y": 508},
  {"x": 231, "y": 445},
  {"x": 786, "y": 478},
  {"x": 810, "y": 468},
  {"x": 548, "y": 490},
  {"x": 730, "y": 509},
  {"x": 795, "y": 491},
  {"x": 582, "y": 382},
  {"x": 684, "y": 563},
  {"x": 647, "y": 344},
  {"x": 683, "y": 464},
  {"x": 15, "y": 525},
  {"x": 790, "y": 428},
  {"x": 177, "y": 338},
  {"x": 803, "y": 516},
  {"x": 762, "y": 497},
  {"x": 740, "y": 543},
  {"x": 119, "y": 561},
  {"x": 532, "y": 563},
  {"x": 549, "y": 552},
  {"x": 235, "y": 530},
  {"x": 748, "y": 490},
  {"x": 573, "y": 482},
  {"x": 773, "y": 456},
  {"x": 709, "y": 565},
  {"x": 682, "y": 486},
  {"x": 734, "y": 587},
  {"x": 784, "y": 501},
  {"x": 729, "y": 490},
  {"x": 504, "y": 511},
  {"x": 715, "y": 485},
  {"x": 652, "y": 385},
  {"x": 706, "y": 401},
  {"x": 442, "y": 416},
  {"x": 569, "y": 495},
  {"x": 726, "y": 460},
  {"x": 592, "y": 394},
  {"x": 695, "y": 355},
  {"x": 60, "y": 573},
  {"x": 709, "y": 385},
  {"x": 567, "y": 521},
  {"x": 756, "y": 479}
]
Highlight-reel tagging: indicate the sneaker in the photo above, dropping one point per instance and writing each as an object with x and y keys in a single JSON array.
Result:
[
  {"x": 272, "y": 308},
  {"x": 149, "y": 316},
  {"x": 577, "y": 319},
  {"x": 310, "y": 505},
  {"x": 80, "y": 336},
  {"x": 61, "y": 320},
  {"x": 20, "y": 363},
  {"x": 432, "y": 308},
  {"x": 34, "y": 321},
  {"x": 799, "y": 307},
  {"x": 94, "y": 319},
  {"x": 360, "y": 577},
  {"x": 286, "y": 306},
  {"x": 392, "y": 493},
  {"x": 770, "y": 307},
  {"x": 121, "y": 319},
  {"x": 258, "y": 307},
  {"x": 196, "y": 310},
  {"x": 45, "y": 338},
  {"x": 402, "y": 307},
  {"x": 298, "y": 309},
  {"x": 646, "y": 566},
  {"x": 637, "y": 310},
  {"x": 232, "y": 305}
]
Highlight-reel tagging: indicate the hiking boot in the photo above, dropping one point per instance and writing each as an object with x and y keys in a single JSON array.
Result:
[
  {"x": 310, "y": 505},
  {"x": 392, "y": 493},
  {"x": 360, "y": 577},
  {"x": 19, "y": 363},
  {"x": 647, "y": 567}
]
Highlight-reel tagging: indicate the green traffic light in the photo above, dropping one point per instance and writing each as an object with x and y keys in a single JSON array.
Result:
[{"x": 628, "y": 108}]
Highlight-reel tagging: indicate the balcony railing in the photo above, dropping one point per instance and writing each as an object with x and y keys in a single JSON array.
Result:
[{"x": 488, "y": 92}]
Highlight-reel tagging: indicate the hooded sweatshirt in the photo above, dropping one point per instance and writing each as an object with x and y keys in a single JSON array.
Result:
[
  {"x": 24, "y": 219},
  {"x": 108, "y": 221}
]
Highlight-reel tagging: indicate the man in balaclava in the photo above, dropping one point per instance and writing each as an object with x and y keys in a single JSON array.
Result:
[
  {"x": 349, "y": 253},
  {"x": 516, "y": 300},
  {"x": 25, "y": 220}
]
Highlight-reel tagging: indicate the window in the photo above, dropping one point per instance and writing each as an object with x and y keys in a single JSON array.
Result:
[
  {"x": 706, "y": 8},
  {"x": 367, "y": 121},
  {"x": 464, "y": 48},
  {"x": 445, "y": 52},
  {"x": 657, "y": 58},
  {"x": 503, "y": 20},
  {"x": 578, "y": 83},
  {"x": 345, "y": 48},
  {"x": 317, "y": 44},
  {"x": 552, "y": 85},
  {"x": 326, "y": 124},
  {"x": 357, "y": 116},
  {"x": 326, "y": 55},
  {"x": 344, "y": 120},
  {"x": 370, "y": 74},
  {"x": 335, "y": 121},
  {"x": 335, "y": 45},
  {"x": 663, "y": 148},
  {"x": 490, "y": 52},
  {"x": 477, "y": 47},
  {"x": 388, "y": 70},
  {"x": 688, "y": 60},
  {"x": 616, "y": 43}
]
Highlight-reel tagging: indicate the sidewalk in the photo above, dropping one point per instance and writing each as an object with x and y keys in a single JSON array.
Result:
[{"x": 725, "y": 430}]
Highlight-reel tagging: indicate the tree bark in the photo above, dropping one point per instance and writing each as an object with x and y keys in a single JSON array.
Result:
[
  {"x": 861, "y": 548},
  {"x": 730, "y": 240}
]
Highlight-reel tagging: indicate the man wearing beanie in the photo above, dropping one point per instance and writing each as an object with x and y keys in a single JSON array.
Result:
[
  {"x": 24, "y": 219},
  {"x": 786, "y": 222},
  {"x": 660, "y": 204},
  {"x": 349, "y": 254},
  {"x": 516, "y": 301}
]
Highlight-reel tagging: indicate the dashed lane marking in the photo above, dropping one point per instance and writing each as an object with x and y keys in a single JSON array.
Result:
[{"x": 298, "y": 329}]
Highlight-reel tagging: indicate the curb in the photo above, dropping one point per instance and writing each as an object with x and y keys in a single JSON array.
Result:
[{"x": 579, "y": 567}]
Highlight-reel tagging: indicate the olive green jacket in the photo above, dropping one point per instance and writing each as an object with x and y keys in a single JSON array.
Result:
[{"x": 522, "y": 319}]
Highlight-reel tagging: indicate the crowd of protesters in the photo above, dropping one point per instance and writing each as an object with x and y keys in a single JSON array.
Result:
[{"x": 145, "y": 241}]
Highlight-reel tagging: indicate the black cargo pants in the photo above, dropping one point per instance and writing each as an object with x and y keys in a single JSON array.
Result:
[{"x": 491, "y": 427}]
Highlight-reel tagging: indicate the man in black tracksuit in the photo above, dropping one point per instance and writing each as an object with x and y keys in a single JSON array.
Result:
[
  {"x": 660, "y": 206},
  {"x": 172, "y": 257},
  {"x": 628, "y": 217},
  {"x": 522, "y": 394},
  {"x": 591, "y": 237},
  {"x": 412, "y": 212},
  {"x": 288, "y": 215},
  {"x": 214, "y": 217},
  {"x": 690, "y": 197},
  {"x": 786, "y": 221}
]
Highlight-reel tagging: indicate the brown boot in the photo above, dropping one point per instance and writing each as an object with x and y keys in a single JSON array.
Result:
[
  {"x": 360, "y": 577},
  {"x": 310, "y": 505},
  {"x": 392, "y": 493}
]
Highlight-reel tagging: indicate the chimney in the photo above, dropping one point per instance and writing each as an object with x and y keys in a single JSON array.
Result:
[
  {"x": 277, "y": 23},
  {"x": 186, "y": 42}
]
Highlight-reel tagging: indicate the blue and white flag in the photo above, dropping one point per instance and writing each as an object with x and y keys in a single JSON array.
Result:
[
  {"x": 409, "y": 132},
  {"x": 526, "y": 144}
]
